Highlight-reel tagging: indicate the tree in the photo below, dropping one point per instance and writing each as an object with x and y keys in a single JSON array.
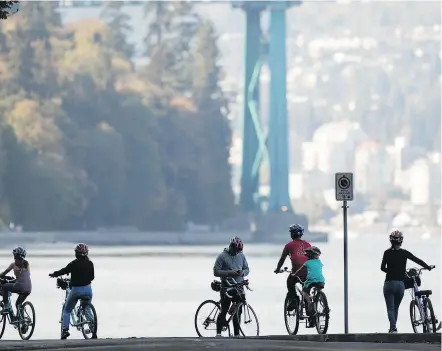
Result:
[
  {"x": 6, "y": 7},
  {"x": 172, "y": 27},
  {"x": 118, "y": 28},
  {"x": 215, "y": 201}
]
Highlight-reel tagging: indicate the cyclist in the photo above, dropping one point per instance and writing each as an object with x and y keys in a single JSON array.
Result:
[
  {"x": 230, "y": 264},
  {"x": 314, "y": 278},
  {"x": 22, "y": 283},
  {"x": 394, "y": 263},
  {"x": 295, "y": 249},
  {"x": 82, "y": 274}
]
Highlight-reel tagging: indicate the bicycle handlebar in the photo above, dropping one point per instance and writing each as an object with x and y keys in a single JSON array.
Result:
[
  {"x": 286, "y": 270},
  {"x": 236, "y": 285},
  {"x": 7, "y": 279},
  {"x": 419, "y": 270}
]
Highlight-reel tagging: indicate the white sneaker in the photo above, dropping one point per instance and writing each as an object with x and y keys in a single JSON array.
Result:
[{"x": 218, "y": 336}]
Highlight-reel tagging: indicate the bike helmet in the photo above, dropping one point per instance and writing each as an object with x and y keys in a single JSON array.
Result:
[
  {"x": 19, "y": 253},
  {"x": 396, "y": 237},
  {"x": 237, "y": 243},
  {"x": 296, "y": 231},
  {"x": 82, "y": 249},
  {"x": 312, "y": 251}
]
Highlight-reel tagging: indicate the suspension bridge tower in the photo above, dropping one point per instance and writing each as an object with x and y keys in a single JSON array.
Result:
[{"x": 265, "y": 48}]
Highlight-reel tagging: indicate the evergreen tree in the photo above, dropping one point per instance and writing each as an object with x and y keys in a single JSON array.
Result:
[
  {"x": 215, "y": 133},
  {"x": 118, "y": 29}
]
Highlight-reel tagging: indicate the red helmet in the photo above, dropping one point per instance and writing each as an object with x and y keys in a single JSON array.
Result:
[
  {"x": 237, "y": 243},
  {"x": 82, "y": 249},
  {"x": 396, "y": 237}
]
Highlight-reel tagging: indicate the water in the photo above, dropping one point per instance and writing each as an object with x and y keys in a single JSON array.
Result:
[{"x": 154, "y": 291}]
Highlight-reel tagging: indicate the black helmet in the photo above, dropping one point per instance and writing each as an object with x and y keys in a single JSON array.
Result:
[{"x": 296, "y": 231}]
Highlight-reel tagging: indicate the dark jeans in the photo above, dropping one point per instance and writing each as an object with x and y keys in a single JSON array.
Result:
[
  {"x": 393, "y": 294},
  {"x": 225, "y": 305}
]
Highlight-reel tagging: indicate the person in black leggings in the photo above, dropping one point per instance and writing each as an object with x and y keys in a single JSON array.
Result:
[{"x": 394, "y": 264}]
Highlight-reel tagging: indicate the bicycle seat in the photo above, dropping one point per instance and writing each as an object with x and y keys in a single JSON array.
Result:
[{"x": 424, "y": 293}]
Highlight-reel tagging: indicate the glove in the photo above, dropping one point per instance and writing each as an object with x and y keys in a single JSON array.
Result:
[
  {"x": 52, "y": 275},
  {"x": 276, "y": 271},
  {"x": 429, "y": 268}
]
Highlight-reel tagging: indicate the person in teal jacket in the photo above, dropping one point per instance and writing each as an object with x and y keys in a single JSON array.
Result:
[{"x": 314, "y": 278}]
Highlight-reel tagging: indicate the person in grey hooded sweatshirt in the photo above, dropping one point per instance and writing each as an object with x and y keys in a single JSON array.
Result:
[{"x": 231, "y": 263}]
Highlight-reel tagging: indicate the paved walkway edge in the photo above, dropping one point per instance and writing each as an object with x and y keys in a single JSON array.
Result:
[
  {"x": 433, "y": 338},
  {"x": 341, "y": 338}
]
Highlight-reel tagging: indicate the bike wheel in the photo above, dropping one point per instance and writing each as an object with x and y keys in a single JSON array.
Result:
[
  {"x": 415, "y": 317},
  {"x": 2, "y": 324},
  {"x": 205, "y": 319},
  {"x": 431, "y": 319},
  {"x": 245, "y": 315},
  {"x": 291, "y": 318},
  {"x": 26, "y": 324},
  {"x": 91, "y": 321},
  {"x": 321, "y": 311}
]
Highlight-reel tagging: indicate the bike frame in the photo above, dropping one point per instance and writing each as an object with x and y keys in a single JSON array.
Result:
[
  {"x": 313, "y": 291},
  {"x": 73, "y": 320},
  {"x": 237, "y": 286},
  {"x": 419, "y": 299},
  {"x": 19, "y": 314}
]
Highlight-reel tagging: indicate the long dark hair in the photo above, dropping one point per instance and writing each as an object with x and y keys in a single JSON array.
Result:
[{"x": 24, "y": 263}]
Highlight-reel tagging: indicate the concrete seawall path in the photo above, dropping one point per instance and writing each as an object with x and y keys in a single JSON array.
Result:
[{"x": 337, "y": 342}]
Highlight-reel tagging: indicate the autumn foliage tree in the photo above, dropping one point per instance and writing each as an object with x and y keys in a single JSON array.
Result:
[{"x": 88, "y": 140}]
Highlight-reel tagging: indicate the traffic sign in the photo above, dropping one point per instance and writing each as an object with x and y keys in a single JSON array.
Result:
[{"x": 344, "y": 186}]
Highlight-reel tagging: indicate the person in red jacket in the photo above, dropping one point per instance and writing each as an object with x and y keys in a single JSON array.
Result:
[{"x": 294, "y": 249}]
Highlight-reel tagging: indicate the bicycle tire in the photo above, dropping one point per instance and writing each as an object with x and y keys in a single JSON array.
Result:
[
  {"x": 3, "y": 325},
  {"x": 217, "y": 306},
  {"x": 321, "y": 296},
  {"x": 296, "y": 314},
  {"x": 413, "y": 324},
  {"x": 429, "y": 307},
  {"x": 83, "y": 315},
  {"x": 22, "y": 336},
  {"x": 254, "y": 315}
]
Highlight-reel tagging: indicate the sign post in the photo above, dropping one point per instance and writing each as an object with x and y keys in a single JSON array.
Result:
[{"x": 344, "y": 193}]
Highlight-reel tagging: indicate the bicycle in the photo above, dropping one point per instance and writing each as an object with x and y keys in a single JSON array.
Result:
[
  {"x": 299, "y": 306},
  {"x": 240, "y": 308},
  {"x": 79, "y": 318},
  {"x": 22, "y": 321},
  {"x": 420, "y": 302}
]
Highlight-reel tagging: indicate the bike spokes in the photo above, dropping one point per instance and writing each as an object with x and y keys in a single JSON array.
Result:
[
  {"x": 248, "y": 321},
  {"x": 206, "y": 320}
]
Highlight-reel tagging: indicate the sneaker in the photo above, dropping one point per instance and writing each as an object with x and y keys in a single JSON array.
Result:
[
  {"x": 218, "y": 336},
  {"x": 65, "y": 334},
  {"x": 392, "y": 330},
  {"x": 311, "y": 322}
]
